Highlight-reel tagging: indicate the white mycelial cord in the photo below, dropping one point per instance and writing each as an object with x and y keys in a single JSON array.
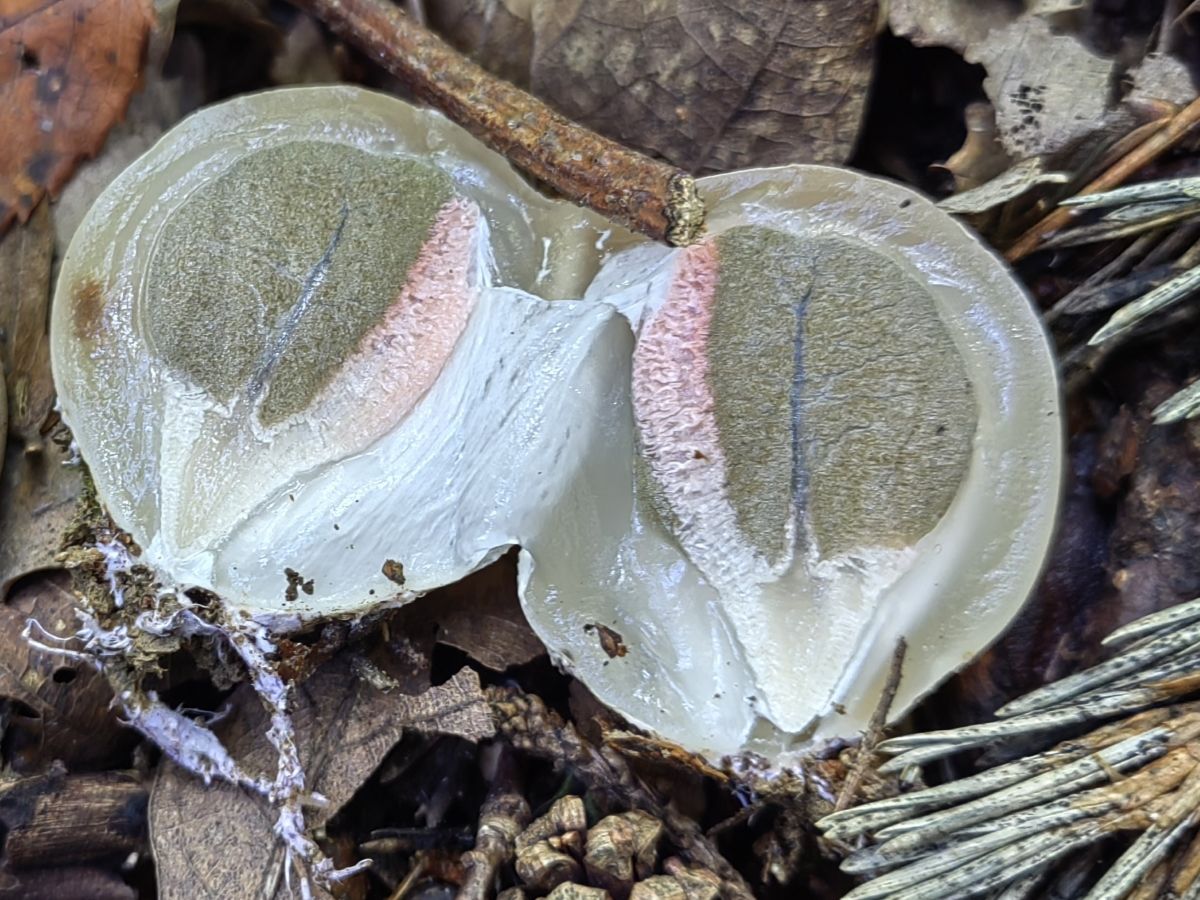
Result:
[{"x": 190, "y": 744}]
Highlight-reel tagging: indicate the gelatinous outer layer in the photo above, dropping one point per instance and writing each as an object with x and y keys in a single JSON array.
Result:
[
  {"x": 319, "y": 337},
  {"x": 296, "y": 335},
  {"x": 674, "y": 403}
]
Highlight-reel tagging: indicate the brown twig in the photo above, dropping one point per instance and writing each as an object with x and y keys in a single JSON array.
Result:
[
  {"x": 403, "y": 888},
  {"x": 874, "y": 731},
  {"x": 1116, "y": 174},
  {"x": 1187, "y": 868},
  {"x": 58, "y": 819},
  {"x": 646, "y": 195},
  {"x": 504, "y": 815}
]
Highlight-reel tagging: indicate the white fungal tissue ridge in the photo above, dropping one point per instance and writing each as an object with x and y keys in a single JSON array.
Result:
[
  {"x": 183, "y": 739},
  {"x": 116, "y": 561},
  {"x": 673, "y": 405}
]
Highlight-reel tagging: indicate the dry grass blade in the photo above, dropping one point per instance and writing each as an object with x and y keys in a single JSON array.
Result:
[
  {"x": 1184, "y": 880},
  {"x": 1156, "y": 623},
  {"x": 927, "y": 856},
  {"x": 1133, "y": 660},
  {"x": 1147, "y": 151},
  {"x": 1126, "y": 222},
  {"x": 1004, "y": 831},
  {"x": 922, "y": 748},
  {"x": 877, "y": 815},
  {"x": 1021, "y": 888},
  {"x": 1146, "y": 213},
  {"x": 1119, "y": 281},
  {"x": 1183, "y": 405},
  {"x": 1163, "y": 216},
  {"x": 1167, "y": 189},
  {"x": 915, "y": 834},
  {"x": 1157, "y": 300},
  {"x": 1154, "y": 844},
  {"x": 987, "y": 873}
]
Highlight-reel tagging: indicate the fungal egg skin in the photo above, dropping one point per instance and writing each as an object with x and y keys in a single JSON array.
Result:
[
  {"x": 847, "y": 431},
  {"x": 294, "y": 335}
]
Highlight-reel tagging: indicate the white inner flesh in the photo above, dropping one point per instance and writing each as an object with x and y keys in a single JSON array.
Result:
[{"x": 475, "y": 468}]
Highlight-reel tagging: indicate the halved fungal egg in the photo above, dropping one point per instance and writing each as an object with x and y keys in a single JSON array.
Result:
[
  {"x": 292, "y": 344},
  {"x": 316, "y": 337},
  {"x": 847, "y": 432}
]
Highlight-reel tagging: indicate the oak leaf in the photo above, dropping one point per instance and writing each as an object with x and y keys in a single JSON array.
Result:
[
  {"x": 707, "y": 86},
  {"x": 479, "y": 615},
  {"x": 1050, "y": 91},
  {"x": 38, "y": 497},
  {"x": 216, "y": 841},
  {"x": 25, "y": 277},
  {"x": 54, "y": 707},
  {"x": 957, "y": 24},
  {"x": 67, "y": 70}
]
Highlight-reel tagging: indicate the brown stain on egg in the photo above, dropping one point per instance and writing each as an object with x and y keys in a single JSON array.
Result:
[
  {"x": 87, "y": 308},
  {"x": 611, "y": 642},
  {"x": 393, "y": 571}
]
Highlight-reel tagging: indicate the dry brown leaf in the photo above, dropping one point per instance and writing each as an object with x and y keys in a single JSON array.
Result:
[
  {"x": 25, "y": 255},
  {"x": 67, "y": 70},
  {"x": 38, "y": 497},
  {"x": 159, "y": 102},
  {"x": 155, "y": 108},
  {"x": 1151, "y": 562},
  {"x": 56, "y": 708},
  {"x": 1160, "y": 78},
  {"x": 479, "y": 615},
  {"x": 3, "y": 412},
  {"x": 708, "y": 86},
  {"x": 981, "y": 157},
  {"x": 217, "y": 841},
  {"x": 59, "y": 818},
  {"x": 1008, "y": 185},
  {"x": 1055, "y": 7},
  {"x": 38, "y": 493},
  {"x": 65, "y": 883},
  {"x": 1049, "y": 90},
  {"x": 1052, "y": 94},
  {"x": 497, "y": 33},
  {"x": 306, "y": 56},
  {"x": 948, "y": 23}
]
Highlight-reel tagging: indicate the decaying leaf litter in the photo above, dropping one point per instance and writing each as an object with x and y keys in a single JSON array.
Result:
[{"x": 1124, "y": 545}]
